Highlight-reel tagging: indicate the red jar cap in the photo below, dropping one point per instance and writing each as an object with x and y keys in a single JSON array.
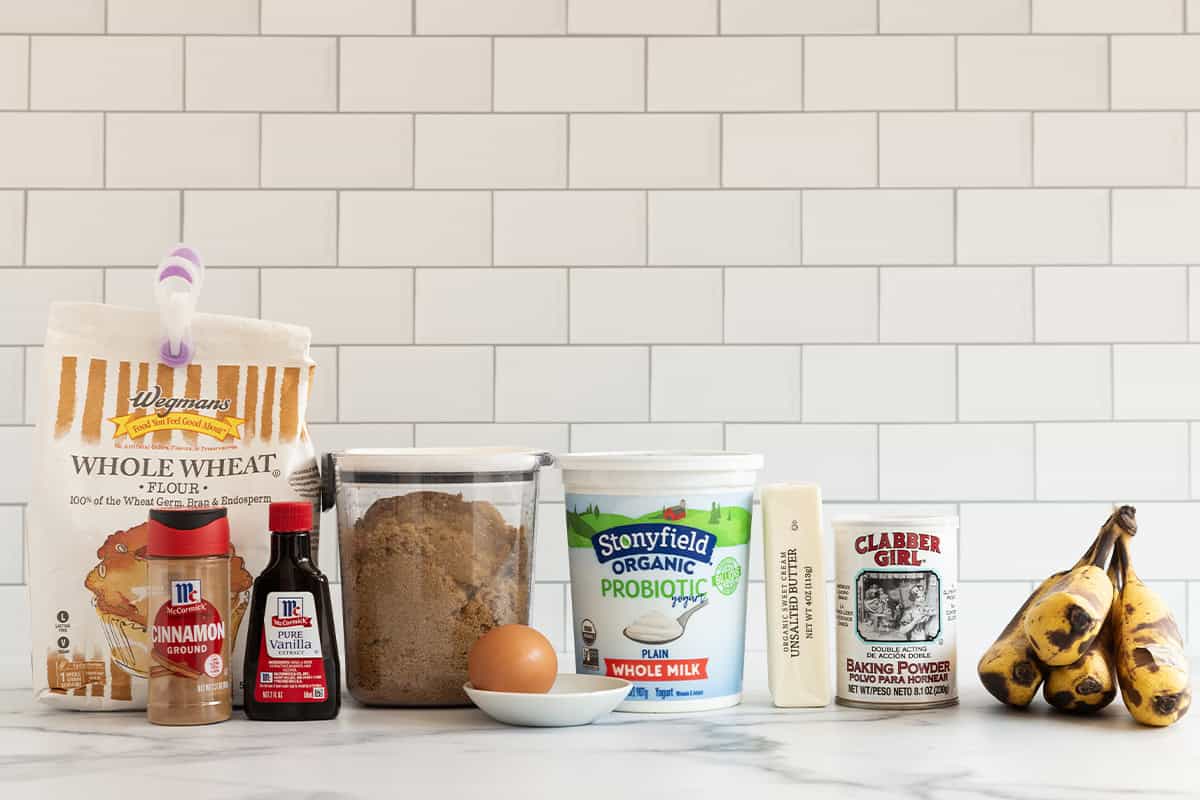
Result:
[
  {"x": 188, "y": 533},
  {"x": 290, "y": 517}
]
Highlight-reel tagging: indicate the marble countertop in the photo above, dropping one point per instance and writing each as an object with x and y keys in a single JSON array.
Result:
[{"x": 976, "y": 750}]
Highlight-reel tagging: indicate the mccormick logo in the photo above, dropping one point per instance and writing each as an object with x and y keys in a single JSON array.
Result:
[
  {"x": 899, "y": 549},
  {"x": 631, "y": 542},
  {"x": 291, "y": 613},
  {"x": 155, "y": 412},
  {"x": 185, "y": 593}
]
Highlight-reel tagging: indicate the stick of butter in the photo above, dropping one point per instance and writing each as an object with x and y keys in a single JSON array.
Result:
[{"x": 794, "y": 566}]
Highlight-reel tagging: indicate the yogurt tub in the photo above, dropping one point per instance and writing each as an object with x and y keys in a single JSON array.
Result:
[{"x": 659, "y": 545}]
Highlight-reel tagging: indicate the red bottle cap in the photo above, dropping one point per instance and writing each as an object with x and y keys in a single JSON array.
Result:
[
  {"x": 188, "y": 533},
  {"x": 290, "y": 517}
]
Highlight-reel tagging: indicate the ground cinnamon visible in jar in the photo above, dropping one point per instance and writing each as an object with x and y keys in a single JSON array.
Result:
[{"x": 190, "y": 632}]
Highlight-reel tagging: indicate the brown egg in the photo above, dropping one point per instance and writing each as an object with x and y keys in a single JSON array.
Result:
[{"x": 512, "y": 658}]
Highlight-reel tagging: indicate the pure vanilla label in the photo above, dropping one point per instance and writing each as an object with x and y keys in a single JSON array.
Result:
[{"x": 290, "y": 665}]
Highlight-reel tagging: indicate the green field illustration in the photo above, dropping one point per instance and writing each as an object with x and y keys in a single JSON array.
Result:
[{"x": 730, "y": 524}]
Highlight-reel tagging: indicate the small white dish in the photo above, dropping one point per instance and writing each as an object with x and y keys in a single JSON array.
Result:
[{"x": 572, "y": 700}]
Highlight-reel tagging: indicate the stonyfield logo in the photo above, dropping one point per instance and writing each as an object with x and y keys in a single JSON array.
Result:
[
  {"x": 155, "y": 412},
  {"x": 633, "y": 541}
]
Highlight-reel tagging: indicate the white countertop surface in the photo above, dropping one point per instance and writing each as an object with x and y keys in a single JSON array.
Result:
[{"x": 976, "y": 750}]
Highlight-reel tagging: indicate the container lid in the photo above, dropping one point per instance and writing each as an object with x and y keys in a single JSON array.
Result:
[
  {"x": 897, "y": 520},
  {"x": 663, "y": 461},
  {"x": 187, "y": 533},
  {"x": 291, "y": 517},
  {"x": 439, "y": 464}
]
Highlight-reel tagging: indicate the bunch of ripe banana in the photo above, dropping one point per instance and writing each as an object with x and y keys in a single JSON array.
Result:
[{"x": 1085, "y": 631}]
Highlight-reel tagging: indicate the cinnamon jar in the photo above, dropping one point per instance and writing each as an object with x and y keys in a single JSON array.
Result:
[{"x": 188, "y": 554}]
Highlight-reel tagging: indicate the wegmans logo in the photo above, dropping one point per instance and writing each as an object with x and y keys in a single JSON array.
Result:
[{"x": 155, "y": 411}]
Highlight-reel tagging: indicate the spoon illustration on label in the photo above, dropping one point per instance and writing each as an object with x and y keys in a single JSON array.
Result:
[{"x": 655, "y": 627}]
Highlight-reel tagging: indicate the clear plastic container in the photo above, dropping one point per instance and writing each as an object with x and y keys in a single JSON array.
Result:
[{"x": 436, "y": 549}]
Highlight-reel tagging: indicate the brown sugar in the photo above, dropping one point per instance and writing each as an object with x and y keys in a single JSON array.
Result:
[{"x": 428, "y": 574}]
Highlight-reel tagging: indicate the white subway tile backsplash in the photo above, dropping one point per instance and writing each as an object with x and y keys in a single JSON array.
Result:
[
  {"x": 550, "y": 559},
  {"x": 1112, "y": 460},
  {"x": 790, "y": 150},
  {"x": 25, "y": 297},
  {"x": 740, "y": 384},
  {"x": 1033, "y": 226},
  {"x": 625, "y": 306},
  {"x": 535, "y": 384},
  {"x": 902, "y": 73},
  {"x": 12, "y": 545},
  {"x": 725, "y": 228},
  {"x": 240, "y": 73},
  {"x": 570, "y": 228},
  {"x": 643, "y": 16},
  {"x": 51, "y": 150},
  {"x": 643, "y": 436},
  {"x": 226, "y": 291},
  {"x": 1164, "y": 552},
  {"x": 207, "y": 151},
  {"x": 472, "y": 151},
  {"x": 458, "y": 17},
  {"x": 954, "y": 149},
  {"x": 655, "y": 173},
  {"x": 12, "y": 227},
  {"x": 322, "y": 399},
  {"x": 52, "y": 16},
  {"x": 182, "y": 16},
  {"x": 797, "y": 16},
  {"x": 1034, "y": 382},
  {"x": 1156, "y": 226},
  {"x": 1155, "y": 72},
  {"x": 491, "y": 306},
  {"x": 1057, "y": 73},
  {"x": 559, "y": 74},
  {"x": 16, "y": 482},
  {"x": 415, "y": 384},
  {"x": 839, "y": 458},
  {"x": 892, "y": 226},
  {"x": 879, "y": 383},
  {"x": 725, "y": 74},
  {"x": 14, "y": 72},
  {"x": 415, "y": 229},
  {"x": 276, "y": 228},
  {"x": 456, "y": 74},
  {"x": 1107, "y": 16},
  {"x": 995, "y": 539},
  {"x": 346, "y": 17},
  {"x": 357, "y": 306},
  {"x": 106, "y": 73},
  {"x": 12, "y": 380},
  {"x": 956, "y": 462},
  {"x": 645, "y": 150},
  {"x": 33, "y": 378},
  {"x": 949, "y": 304},
  {"x": 1109, "y": 149},
  {"x": 1156, "y": 381},
  {"x": 100, "y": 228},
  {"x": 953, "y": 16},
  {"x": 15, "y": 663},
  {"x": 808, "y": 304},
  {"x": 1111, "y": 304},
  {"x": 356, "y": 150}
]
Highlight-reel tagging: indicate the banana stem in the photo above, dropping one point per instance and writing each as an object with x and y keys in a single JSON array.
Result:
[{"x": 1122, "y": 522}]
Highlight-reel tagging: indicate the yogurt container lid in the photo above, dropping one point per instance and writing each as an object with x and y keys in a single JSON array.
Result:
[
  {"x": 897, "y": 520},
  {"x": 663, "y": 461}
]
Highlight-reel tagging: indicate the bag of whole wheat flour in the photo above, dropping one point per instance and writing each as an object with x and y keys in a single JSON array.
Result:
[{"x": 119, "y": 432}]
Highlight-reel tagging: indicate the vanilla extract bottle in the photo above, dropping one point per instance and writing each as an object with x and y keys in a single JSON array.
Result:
[{"x": 291, "y": 671}]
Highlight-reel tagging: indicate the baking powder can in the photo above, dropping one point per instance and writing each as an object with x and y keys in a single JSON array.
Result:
[{"x": 897, "y": 611}]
